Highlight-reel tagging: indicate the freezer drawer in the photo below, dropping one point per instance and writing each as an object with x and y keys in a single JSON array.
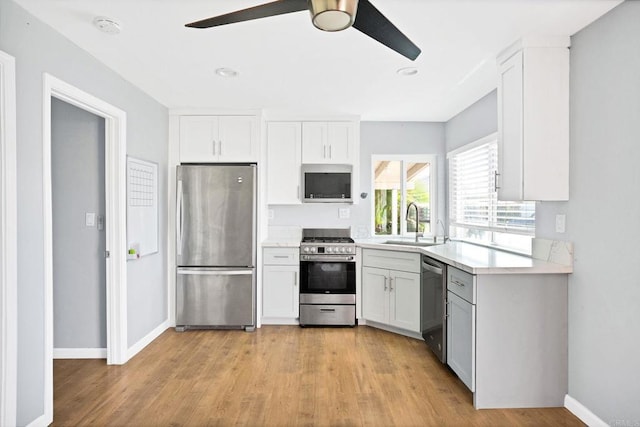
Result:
[{"x": 215, "y": 298}]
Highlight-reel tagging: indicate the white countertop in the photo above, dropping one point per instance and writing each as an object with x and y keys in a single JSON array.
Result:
[
  {"x": 476, "y": 259},
  {"x": 281, "y": 243}
]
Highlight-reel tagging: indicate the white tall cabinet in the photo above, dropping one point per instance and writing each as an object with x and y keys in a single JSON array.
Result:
[
  {"x": 284, "y": 141},
  {"x": 533, "y": 120}
]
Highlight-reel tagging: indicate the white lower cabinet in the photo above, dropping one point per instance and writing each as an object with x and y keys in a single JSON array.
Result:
[
  {"x": 461, "y": 338},
  {"x": 389, "y": 296},
  {"x": 461, "y": 325},
  {"x": 280, "y": 285}
]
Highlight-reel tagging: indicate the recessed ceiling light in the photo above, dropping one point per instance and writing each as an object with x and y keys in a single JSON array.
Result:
[
  {"x": 226, "y": 72},
  {"x": 106, "y": 25},
  {"x": 407, "y": 71}
]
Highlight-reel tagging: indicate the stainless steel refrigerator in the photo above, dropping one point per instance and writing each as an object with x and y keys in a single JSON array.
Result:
[{"x": 216, "y": 246}]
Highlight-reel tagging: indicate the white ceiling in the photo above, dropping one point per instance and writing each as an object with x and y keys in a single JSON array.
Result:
[{"x": 286, "y": 65}]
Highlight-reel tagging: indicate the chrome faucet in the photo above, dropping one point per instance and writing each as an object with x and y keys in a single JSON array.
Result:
[{"x": 418, "y": 235}]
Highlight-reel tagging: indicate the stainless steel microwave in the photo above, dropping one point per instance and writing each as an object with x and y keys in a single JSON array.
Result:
[{"x": 326, "y": 183}]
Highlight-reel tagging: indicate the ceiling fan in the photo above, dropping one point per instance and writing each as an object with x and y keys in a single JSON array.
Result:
[{"x": 327, "y": 15}]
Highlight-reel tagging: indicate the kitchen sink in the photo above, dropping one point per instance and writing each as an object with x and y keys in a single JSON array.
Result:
[{"x": 410, "y": 243}]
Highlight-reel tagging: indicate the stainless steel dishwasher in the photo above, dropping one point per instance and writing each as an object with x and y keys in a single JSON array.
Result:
[{"x": 434, "y": 295}]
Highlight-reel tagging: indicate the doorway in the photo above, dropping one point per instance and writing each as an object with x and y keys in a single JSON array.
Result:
[
  {"x": 114, "y": 221},
  {"x": 79, "y": 241}
]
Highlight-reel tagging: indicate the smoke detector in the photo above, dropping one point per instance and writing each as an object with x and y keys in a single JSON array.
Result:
[{"x": 106, "y": 25}]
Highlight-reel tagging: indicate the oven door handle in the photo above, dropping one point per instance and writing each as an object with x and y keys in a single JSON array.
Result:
[{"x": 328, "y": 258}]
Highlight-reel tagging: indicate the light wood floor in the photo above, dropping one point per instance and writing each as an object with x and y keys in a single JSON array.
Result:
[{"x": 278, "y": 375}]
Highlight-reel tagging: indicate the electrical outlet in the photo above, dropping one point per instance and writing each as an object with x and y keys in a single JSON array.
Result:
[
  {"x": 344, "y": 213},
  {"x": 561, "y": 220},
  {"x": 270, "y": 214},
  {"x": 90, "y": 219}
]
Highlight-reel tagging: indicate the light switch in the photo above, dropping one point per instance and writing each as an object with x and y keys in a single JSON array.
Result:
[
  {"x": 344, "y": 213},
  {"x": 90, "y": 219},
  {"x": 270, "y": 214},
  {"x": 561, "y": 220}
]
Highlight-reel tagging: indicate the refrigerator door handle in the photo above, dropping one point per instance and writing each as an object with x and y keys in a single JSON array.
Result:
[
  {"x": 179, "y": 218},
  {"x": 209, "y": 272}
]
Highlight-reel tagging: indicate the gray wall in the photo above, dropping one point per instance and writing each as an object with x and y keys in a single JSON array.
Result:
[
  {"x": 37, "y": 49},
  {"x": 375, "y": 138},
  {"x": 475, "y": 122},
  {"x": 79, "y": 268},
  {"x": 603, "y": 216}
]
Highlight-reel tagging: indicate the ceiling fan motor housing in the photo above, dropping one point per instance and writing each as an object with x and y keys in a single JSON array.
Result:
[{"x": 333, "y": 15}]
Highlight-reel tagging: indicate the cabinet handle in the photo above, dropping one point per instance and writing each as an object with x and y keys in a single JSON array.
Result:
[
  {"x": 220, "y": 148},
  {"x": 496, "y": 174},
  {"x": 458, "y": 283},
  {"x": 327, "y": 310},
  {"x": 390, "y": 284},
  {"x": 446, "y": 309},
  {"x": 324, "y": 151},
  {"x": 295, "y": 282},
  {"x": 385, "y": 284},
  {"x": 330, "y": 155},
  {"x": 214, "y": 146},
  {"x": 281, "y": 256}
]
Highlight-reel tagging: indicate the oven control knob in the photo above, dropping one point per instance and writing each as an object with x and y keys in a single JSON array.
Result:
[
  {"x": 306, "y": 249},
  {"x": 329, "y": 249},
  {"x": 313, "y": 250},
  {"x": 341, "y": 250},
  {"x": 349, "y": 250}
]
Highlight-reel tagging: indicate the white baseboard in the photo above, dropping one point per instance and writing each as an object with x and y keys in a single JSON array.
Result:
[
  {"x": 41, "y": 421},
  {"x": 582, "y": 412},
  {"x": 79, "y": 353},
  {"x": 147, "y": 339}
]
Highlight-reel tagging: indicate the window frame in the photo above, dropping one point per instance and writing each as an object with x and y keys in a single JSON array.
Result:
[
  {"x": 433, "y": 195},
  {"x": 492, "y": 241}
]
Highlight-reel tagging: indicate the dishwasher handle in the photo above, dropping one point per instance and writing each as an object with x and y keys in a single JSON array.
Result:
[{"x": 431, "y": 268}]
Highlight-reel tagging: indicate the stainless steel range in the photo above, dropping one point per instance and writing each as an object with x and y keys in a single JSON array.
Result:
[{"x": 327, "y": 277}]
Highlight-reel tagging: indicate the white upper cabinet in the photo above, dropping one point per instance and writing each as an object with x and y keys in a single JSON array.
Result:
[
  {"x": 328, "y": 142},
  {"x": 533, "y": 120},
  {"x": 206, "y": 139},
  {"x": 283, "y": 162}
]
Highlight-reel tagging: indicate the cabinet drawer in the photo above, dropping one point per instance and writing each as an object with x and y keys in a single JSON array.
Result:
[
  {"x": 281, "y": 256},
  {"x": 393, "y": 260},
  {"x": 461, "y": 283}
]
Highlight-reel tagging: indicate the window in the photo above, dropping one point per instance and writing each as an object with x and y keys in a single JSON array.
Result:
[
  {"x": 399, "y": 181},
  {"x": 475, "y": 214}
]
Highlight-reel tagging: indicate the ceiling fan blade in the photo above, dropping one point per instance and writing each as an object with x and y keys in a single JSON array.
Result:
[
  {"x": 262, "y": 11},
  {"x": 371, "y": 22}
]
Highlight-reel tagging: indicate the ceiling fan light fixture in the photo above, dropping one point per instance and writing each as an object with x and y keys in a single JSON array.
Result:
[{"x": 333, "y": 15}]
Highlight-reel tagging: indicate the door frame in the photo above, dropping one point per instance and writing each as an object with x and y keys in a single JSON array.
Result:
[
  {"x": 115, "y": 222},
  {"x": 8, "y": 242}
]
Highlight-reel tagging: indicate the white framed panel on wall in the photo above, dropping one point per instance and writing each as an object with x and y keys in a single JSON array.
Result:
[{"x": 142, "y": 207}]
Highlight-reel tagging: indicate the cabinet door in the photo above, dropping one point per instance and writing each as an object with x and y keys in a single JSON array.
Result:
[
  {"x": 314, "y": 142},
  {"x": 375, "y": 294},
  {"x": 283, "y": 163},
  {"x": 340, "y": 141},
  {"x": 404, "y": 300},
  {"x": 280, "y": 293},
  {"x": 198, "y": 139},
  {"x": 461, "y": 339},
  {"x": 238, "y": 139},
  {"x": 510, "y": 128}
]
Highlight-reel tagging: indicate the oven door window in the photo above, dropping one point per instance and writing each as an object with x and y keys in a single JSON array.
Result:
[{"x": 328, "y": 277}]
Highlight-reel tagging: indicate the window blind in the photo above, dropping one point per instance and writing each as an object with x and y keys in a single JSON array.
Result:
[{"x": 473, "y": 201}]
